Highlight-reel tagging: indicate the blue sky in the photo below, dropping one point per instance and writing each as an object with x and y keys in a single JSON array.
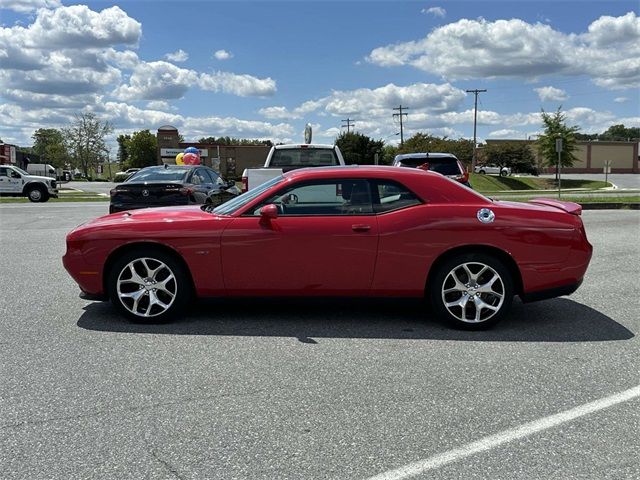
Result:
[{"x": 264, "y": 69}]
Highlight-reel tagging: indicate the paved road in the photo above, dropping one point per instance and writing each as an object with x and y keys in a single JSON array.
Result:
[
  {"x": 309, "y": 390},
  {"x": 621, "y": 180},
  {"x": 92, "y": 187}
]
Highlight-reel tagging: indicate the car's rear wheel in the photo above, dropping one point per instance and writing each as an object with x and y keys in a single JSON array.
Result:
[
  {"x": 149, "y": 286},
  {"x": 482, "y": 172},
  {"x": 503, "y": 173},
  {"x": 472, "y": 291},
  {"x": 37, "y": 194}
]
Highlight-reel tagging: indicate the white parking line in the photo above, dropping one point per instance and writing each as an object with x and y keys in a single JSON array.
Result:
[{"x": 516, "y": 433}]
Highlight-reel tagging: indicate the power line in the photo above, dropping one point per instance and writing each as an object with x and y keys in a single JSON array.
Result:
[
  {"x": 400, "y": 115},
  {"x": 475, "y": 120},
  {"x": 348, "y": 125}
]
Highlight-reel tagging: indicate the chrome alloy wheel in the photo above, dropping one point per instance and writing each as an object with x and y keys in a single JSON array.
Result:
[
  {"x": 473, "y": 292},
  {"x": 146, "y": 287}
]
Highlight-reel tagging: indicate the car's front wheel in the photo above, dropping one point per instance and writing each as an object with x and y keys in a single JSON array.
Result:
[
  {"x": 149, "y": 286},
  {"x": 472, "y": 291},
  {"x": 37, "y": 194}
]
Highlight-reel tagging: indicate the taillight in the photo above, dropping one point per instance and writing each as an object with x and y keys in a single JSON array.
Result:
[
  {"x": 465, "y": 173},
  {"x": 245, "y": 184},
  {"x": 113, "y": 192},
  {"x": 186, "y": 191}
]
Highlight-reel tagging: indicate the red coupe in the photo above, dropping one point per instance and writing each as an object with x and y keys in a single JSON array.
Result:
[{"x": 341, "y": 231}]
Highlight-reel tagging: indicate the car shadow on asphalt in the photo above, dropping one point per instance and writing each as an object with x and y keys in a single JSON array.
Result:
[{"x": 308, "y": 320}]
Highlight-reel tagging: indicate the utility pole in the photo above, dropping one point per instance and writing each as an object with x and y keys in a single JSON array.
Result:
[
  {"x": 349, "y": 124},
  {"x": 400, "y": 115},
  {"x": 475, "y": 120}
]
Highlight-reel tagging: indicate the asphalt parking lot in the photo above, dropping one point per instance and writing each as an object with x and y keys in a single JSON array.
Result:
[{"x": 311, "y": 390}]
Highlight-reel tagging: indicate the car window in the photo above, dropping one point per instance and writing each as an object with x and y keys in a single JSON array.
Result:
[
  {"x": 213, "y": 176},
  {"x": 444, "y": 166},
  {"x": 392, "y": 196},
  {"x": 304, "y": 157},
  {"x": 235, "y": 204},
  {"x": 328, "y": 198},
  {"x": 4, "y": 172},
  {"x": 199, "y": 177},
  {"x": 158, "y": 174}
]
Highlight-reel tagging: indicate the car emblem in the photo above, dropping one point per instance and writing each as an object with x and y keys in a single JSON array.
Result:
[
  {"x": 145, "y": 193},
  {"x": 486, "y": 215}
]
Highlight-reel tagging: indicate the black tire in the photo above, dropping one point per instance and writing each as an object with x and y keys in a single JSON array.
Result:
[
  {"x": 503, "y": 173},
  {"x": 494, "y": 305},
  {"x": 146, "y": 310},
  {"x": 482, "y": 172},
  {"x": 37, "y": 194}
]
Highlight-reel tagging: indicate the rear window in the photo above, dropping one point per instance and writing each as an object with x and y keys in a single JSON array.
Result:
[
  {"x": 304, "y": 157},
  {"x": 445, "y": 166},
  {"x": 158, "y": 174}
]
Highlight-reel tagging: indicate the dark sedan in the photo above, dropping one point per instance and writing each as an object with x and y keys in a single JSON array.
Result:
[{"x": 172, "y": 185}]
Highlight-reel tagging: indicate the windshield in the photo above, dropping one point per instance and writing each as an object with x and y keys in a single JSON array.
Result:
[
  {"x": 158, "y": 174},
  {"x": 237, "y": 203},
  {"x": 304, "y": 157}
]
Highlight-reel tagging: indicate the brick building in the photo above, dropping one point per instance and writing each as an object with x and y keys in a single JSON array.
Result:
[{"x": 229, "y": 160}]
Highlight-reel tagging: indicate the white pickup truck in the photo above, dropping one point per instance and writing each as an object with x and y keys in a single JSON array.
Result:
[
  {"x": 283, "y": 158},
  {"x": 16, "y": 182}
]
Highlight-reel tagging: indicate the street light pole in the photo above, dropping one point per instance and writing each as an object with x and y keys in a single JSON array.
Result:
[{"x": 475, "y": 121}]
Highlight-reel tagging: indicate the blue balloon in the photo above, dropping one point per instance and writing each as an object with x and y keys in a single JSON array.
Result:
[{"x": 191, "y": 150}]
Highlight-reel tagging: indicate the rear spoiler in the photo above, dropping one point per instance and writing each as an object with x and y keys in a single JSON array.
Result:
[{"x": 569, "y": 207}]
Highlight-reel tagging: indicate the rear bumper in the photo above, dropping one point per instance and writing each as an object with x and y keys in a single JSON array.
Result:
[{"x": 550, "y": 292}]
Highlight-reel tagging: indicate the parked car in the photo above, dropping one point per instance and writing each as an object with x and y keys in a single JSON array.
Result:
[
  {"x": 378, "y": 231},
  {"x": 493, "y": 170},
  {"x": 171, "y": 185},
  {"x": 122, "y": 176},
  {"x": 446, "y": 164},
  {"x": 16, "y": 182}
]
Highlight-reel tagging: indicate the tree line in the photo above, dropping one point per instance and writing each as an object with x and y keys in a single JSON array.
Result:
[{"x": 82, "y": 145}]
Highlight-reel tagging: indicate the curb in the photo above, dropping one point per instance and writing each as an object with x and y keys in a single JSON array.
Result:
[{"x": 611, "y": 206}]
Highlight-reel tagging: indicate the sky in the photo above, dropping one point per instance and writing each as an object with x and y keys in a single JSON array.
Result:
[{"x": 264, "y": 69}]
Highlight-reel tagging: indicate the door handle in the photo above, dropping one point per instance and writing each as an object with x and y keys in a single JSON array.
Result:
[{"x": 360, "y": 228}]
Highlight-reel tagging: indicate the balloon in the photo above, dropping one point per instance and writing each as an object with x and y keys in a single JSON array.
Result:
[
  {"x": 180, "y": 159},
  {"x": 191, "y": 159},
  {"x": 192, "y": 150}
]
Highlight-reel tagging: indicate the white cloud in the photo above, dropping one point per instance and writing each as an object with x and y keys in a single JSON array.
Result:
[
  {"x": 507, "y": 133},
  {"x": 551, "y": 94},
  {"x": 164, "y": 81},
  {"x": 26, "y": 6},
  {"x": 435, "y": 11},
  {"x": 369, "y": 103},
  {"x": 621, "y": 99},
  {"x": 177, "y": 56},
  {"x": 158, "y": 105},
  {"x": 222, "y": 55},
  {"x": 609, "y": 51}
]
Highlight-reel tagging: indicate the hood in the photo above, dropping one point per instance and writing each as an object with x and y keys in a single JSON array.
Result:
[
  {"x": 162, "y": 220},
  {"x": 39, "y": 178}
]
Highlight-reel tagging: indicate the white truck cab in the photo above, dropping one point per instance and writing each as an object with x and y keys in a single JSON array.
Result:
[
  {"x": 283, "y": 158},
  {"x": 16, "y": 182}
]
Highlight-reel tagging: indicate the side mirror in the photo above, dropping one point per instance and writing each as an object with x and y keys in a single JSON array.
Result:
[{"x": 269, "y": 212}]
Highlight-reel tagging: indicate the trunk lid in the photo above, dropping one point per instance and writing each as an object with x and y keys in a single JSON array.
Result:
[{"x": 569, "y": 207}]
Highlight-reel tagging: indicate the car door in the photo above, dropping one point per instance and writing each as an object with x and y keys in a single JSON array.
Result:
[
  {"x": 199, "y": 185},
  {"x": 10, "y": 181},
  {"x": 323, "y": 242}
]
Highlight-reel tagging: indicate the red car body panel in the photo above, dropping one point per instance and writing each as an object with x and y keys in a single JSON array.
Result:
[{"x": 386, "y": 254}]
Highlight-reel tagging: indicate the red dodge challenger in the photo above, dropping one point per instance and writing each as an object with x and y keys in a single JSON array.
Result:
[{"x": 340, "y": 231}]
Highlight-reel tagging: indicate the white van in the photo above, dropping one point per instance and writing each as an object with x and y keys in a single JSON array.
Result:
[{"x": 42, "y": 169}]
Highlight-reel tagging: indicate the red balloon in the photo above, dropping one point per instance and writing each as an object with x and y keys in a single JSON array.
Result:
[{"x": 191, "y": 159}]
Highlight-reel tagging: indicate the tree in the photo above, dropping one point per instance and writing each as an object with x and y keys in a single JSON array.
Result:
[
  {"x": 48, "y": 144},
  {"x": 424, "y": 142},
  {"x": 234, "y": 141},
  {"x": 123, "y": 150},
  {"x": 359, "y": 149},
  {"x": 515, "y": 155},
  {"x": 621, "y": 133},
  {"x": 554, "y": 128},
  {"x": 142, "y": 149},
  {"x": 85, "y": 140}
]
